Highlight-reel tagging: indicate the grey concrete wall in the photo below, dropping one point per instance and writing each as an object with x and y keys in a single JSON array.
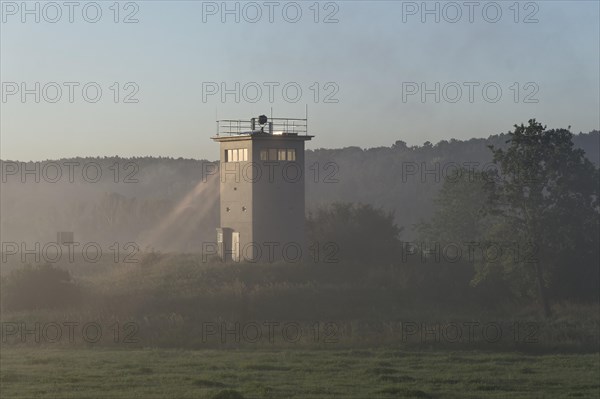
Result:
[
  {"x": 273, "y": 225},
  {"x": 236, "y": 192},
  {"x": 278, "y": 198}
]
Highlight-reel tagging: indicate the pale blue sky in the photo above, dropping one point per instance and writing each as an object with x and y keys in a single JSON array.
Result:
[{"x": 368, "y": 54}]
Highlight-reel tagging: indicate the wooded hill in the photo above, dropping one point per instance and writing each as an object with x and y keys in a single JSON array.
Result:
[{"x": 168, "y": 204}]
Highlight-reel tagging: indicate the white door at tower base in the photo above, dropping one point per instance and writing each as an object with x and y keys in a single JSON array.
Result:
[{"x": 235, "y": 246}]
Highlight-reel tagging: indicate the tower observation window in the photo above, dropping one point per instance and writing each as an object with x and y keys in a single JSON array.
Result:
[
  {"x": 278, "y": 154},
  {"x": 236, "y": 155}
]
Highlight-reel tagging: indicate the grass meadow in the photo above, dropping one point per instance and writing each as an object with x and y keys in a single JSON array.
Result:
[
  {"x": 154, "y": 317},
  {"x": 328, "y": 373}
]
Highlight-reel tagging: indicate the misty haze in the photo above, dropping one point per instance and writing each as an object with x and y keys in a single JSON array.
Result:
[{"x": 300, "y": 199}]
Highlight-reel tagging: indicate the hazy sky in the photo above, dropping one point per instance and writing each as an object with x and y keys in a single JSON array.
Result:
[{"x": 362, "y": 76}]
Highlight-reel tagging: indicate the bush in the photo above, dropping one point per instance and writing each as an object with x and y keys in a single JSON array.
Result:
[
  {"x": 40, "y": 287},
  {"x": 359, "y": 233}
]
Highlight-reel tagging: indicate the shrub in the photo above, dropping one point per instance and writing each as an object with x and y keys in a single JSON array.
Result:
[{"x": 40, "y": 287}]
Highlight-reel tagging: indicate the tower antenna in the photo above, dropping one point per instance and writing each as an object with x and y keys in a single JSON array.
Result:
[{"x": 306, "y": 117}]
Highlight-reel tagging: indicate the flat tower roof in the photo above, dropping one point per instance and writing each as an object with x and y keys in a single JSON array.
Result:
[
  {"x": 262, "y": 136},
  {"x": 262, "y": 128}
]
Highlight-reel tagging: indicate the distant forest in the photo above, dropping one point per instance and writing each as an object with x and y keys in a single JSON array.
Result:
[{"x": 167, "y": 204}]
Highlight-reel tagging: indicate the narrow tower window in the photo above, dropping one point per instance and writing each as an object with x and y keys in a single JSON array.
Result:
[
  {"x": 281, "y": 154},
  {"x": 291, "y": 154}
]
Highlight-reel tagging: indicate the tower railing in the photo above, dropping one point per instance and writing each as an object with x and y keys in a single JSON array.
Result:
[{"x": 274, "y": 126}]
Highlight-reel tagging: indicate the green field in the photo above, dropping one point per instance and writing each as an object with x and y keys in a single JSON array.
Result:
[{"x": 376, "y": 373}]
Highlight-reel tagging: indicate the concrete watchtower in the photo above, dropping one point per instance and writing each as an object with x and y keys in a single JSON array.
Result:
[{"x": 262, "y": 189}]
